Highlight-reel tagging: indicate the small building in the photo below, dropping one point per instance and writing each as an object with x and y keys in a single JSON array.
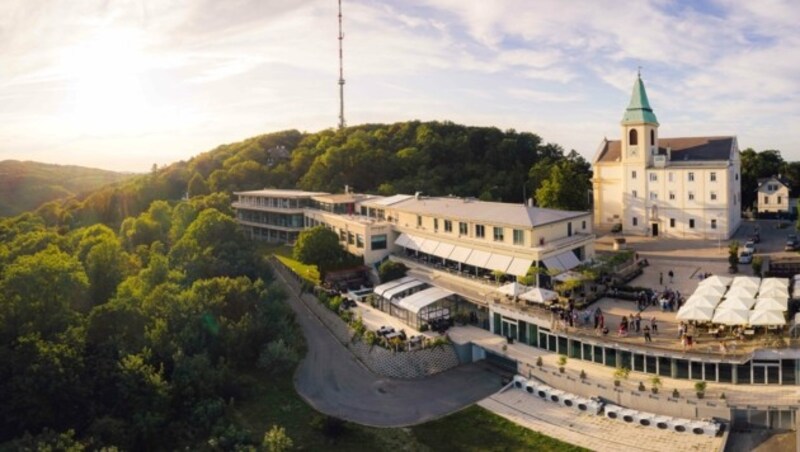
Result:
[{"x": 773, "y": 196}]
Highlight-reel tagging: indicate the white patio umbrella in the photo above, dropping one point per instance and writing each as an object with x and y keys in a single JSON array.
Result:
[
  {"x": 774, "y": 282},
  {"x": 737, "y": 303},
  {"x": 513, "y": 289},
  {"x": 539, "y": 295},
  {"x": 696, "y": 313},
  {"x": 747, "y": 281},
  {"x": 776, "y": 292},
  {"x": 741, "y": 291},
  {"x": 716, "y": 280},
  {"x": 771, "y": 304},
  {"x": 731, "y": 316},
  {"x": 710, "y": 290},
  {"x": 767, "y": 318},
  {"x": 703, "y": 301}
]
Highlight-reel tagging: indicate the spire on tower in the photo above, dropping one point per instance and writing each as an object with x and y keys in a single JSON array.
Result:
[
  {"x": 639, "y": 110},
  {"x": 341, "y": 71}
]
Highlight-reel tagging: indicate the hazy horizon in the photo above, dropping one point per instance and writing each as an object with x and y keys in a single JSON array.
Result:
[{"x": 121, "y": 86}]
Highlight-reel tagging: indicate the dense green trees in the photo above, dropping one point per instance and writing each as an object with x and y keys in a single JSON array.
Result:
[
  {"x": 320, "y": 246},
  {"x": 562, "y": 183}
]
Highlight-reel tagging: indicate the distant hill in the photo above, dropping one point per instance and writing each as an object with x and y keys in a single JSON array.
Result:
[{"x": 27, "y": 185}]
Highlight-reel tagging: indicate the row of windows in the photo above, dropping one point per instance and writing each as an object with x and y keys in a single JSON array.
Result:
[
  {"x": 498, "y": 233},
  {"x": 712, "y": 176},
  {"x": 713, "y": 222},
  {"x": 654, "y": 196},
  {"x": 633, "y": 137},
  {"x": 778, "y": 200}
]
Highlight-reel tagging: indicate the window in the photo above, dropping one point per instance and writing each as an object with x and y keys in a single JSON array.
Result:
[
  {"x": 435, "y": 224},
  {"x": 766, "y": 199},
  {"x": 448, "y": 226},
  {"x": 713, "y": 224},
  {"x": 498, "y": 234},
  {"x": 691, "y": 223},
  {"x": 737, "y": 176},
  {"x": 691, "y": 196},
  {"x": 359, "y": 241},
  {"x": 378, "y": 242},
  {"x": 713, "y": 196},
  {"x": 583, "y": 225},
  {"x": 462, "y": 228},
  {"x": 480, "y": 231},
  {"x": 653, "y": 196},
  {"x": 519, "y": 237},
  {"x": 350, "y": 238},
  {"x": 713, "y": 176},
  {"x": 779, "y": 199},
  {"x": 635, "y": 221},
  {"x": 633, "y": 194},
  {"x": 569, "y": 229},
  {"x": 669, "y": 176},
  {"x": 691, "y": 177},
  {"x": 652, "y": 137},
  {"x": 653, "y": 177},
  {"x": 419, "y": 221},
  {"x": 633, "y": 137},
  {"x": 672, "y": 222},
  {"x": 672, "y": 196},
  {"x": 633, "y": 174}
]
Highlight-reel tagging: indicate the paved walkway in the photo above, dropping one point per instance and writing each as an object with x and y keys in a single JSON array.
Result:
[
  {"x": 331, "y": 380},
  {"x": 592, "y": 432}
]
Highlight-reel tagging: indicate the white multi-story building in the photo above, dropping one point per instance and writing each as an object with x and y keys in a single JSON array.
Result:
[{"x": 675, "y": 187}]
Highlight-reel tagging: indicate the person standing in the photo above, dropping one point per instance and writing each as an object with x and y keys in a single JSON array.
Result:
[
  {"x": 661, "y": 279},
  {"x": 653, "y": 325},
  {"x": 647, "y": 337},
  {"x": 671, "y": 276},
  {"x": 638, "y": 322}
]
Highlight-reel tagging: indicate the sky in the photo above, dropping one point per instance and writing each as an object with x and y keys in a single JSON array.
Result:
[{"x": 124, "y": 84}]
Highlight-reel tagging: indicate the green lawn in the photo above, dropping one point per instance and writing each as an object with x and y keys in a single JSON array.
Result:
[
  {"x": 476, "y": 429},
  {"x": 284, "y": 254}
]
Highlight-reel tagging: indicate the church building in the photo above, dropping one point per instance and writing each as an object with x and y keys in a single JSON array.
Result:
[{"x": 686, "y": 187}]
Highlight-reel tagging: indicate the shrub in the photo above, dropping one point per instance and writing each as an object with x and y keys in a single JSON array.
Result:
[
  {"x": 329, "y": 426},
  {"x": 370, "y": 338},
  {"x": 335, "y": 303},
  {"x": 276, "y": 440}
]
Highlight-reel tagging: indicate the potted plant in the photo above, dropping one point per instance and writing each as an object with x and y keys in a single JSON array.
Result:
[
  {"x": 562, "y": 361},
  {"x": 583, "y": 374},
  {"x": 675, "y": 393},
  {"x": 655, "y": 383},
  {"x": 700, "y": 387},
  {"x": 621, "y": 374},
  {"x": 539, "y": 361}
]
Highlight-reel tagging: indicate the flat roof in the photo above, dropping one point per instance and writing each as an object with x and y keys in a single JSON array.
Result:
[
  {"x": 341, "y": 197},
  {"x": 485, "y": 211},
  {"x": 282, "y": 193}
]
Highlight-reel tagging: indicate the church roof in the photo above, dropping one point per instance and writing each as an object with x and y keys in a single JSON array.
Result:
[
  {"x": 684, "y": 149},
  {"x": 639, "y": 110}
]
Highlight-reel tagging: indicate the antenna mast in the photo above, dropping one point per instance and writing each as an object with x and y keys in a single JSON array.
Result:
[{"x": 341, "y": 71}]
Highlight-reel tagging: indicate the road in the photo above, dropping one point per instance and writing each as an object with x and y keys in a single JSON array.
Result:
[{"x": 331, "y": 380}]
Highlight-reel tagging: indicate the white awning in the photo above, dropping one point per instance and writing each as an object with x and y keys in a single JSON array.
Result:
[
  {"x": 380, "y": 289},
  {"x": 444, "y": 250},
  {"x": 414, "y": 242},
  {"x": 562, "y": 262},
  {"x": 519, "y": 266},
  {"x": 397, "y": 290},
  {"x": 402, "y": 240},
  {"x": 419, "y": 300},
  {"x": 499, "y": 262},
  {"x": 429, "y": 246},
  {"x": 460, "y": 254},
  {"x": 478, "y": 258},
  {"x": 552, "y": 263}
]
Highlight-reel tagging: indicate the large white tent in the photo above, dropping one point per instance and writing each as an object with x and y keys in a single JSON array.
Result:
[
  {"x": 771, "y": 304},
  {"x": 773, "y": 292},
  {"x": 716, "y": 280},
  {"x": 741, "y": 291},
  {"x": 737, "y": 303},
  {"x": 732, "y": 316},
  {"x": 513, "y": 289},
  {"x": 767, "y": 318},
  {"x": 696, "y": 313},
  {"x": 746, "y": 281},
  {"x": 703, "y": 301},
  {"x": 774, "y": 282},
  {"x": 710, "y": 290}
]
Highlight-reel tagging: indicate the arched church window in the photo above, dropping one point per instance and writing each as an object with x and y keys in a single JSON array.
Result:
[
  {"x": 652, "y": 138},
  {"x": 633, "y": 138}
]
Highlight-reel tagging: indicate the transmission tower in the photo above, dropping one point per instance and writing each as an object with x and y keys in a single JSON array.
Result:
[{"x": 341, "y": 71}]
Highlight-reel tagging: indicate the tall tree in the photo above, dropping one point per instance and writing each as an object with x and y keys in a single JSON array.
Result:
[{"x": 319, "y": 246}]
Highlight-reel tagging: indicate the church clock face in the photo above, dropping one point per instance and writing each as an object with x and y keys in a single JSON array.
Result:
[{"x": 632, "y": 151}]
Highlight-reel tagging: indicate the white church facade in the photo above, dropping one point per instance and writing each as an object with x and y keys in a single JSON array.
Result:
[{"x": 666, "y": 187}]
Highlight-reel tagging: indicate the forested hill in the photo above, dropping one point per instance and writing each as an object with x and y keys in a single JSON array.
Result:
[
  {"x": 436, "y": 158},
  {"x": 26, "y": 185}
]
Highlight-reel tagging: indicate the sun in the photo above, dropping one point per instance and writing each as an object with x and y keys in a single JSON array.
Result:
[{"x": 105, "y": 75}]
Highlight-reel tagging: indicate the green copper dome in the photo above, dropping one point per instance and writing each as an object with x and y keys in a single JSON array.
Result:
[{"x": 639, "y": 111}]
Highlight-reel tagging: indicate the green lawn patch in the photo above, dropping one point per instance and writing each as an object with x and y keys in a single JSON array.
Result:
[
  {"x": 284, "y": 254},
  {"x": 477, "y": 429}
]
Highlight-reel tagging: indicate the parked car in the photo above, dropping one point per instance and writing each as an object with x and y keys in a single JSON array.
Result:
[
  {"x": 750, "y": 245},
  {"x": 756, "y": 238},
  {"x": 746, "y": 257},
  {"x": 791, "y": 245}
]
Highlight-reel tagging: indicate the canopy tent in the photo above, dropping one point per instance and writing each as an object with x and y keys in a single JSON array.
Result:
[
  {"x": 774, "y": 282},
  {"x": 381, "y": 289},
  {"x": 539, "y": 295},
  {"x": 414, "y": 243},
  {"x": 767, "y": 318},
  {"x": 710, "y": 290},
  {"x": 695, "y": 313},
  {"x": 402, "y": 240},
  {"x": 397, "y": 290},
  {"x": 737, "y": 303},
  {"x": 703, "y": 301},
  {"x": 513, "y": 289},
  {"x": 444, "y": 250},
  {"x": 731, "y": 316},
  {"x": 771, "y": 304},
  {"x": 423, "y": 298},
  {"x": 499, "y": 262},
  {"x": 746, "y": 281},
  {"x": 716, "y": 280},
  {"x": 741, "y": 291},
  {"x": 519, "y": 266},
  {"x": 773, "y": 292},
  {"x": 478, "y": 258}
]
